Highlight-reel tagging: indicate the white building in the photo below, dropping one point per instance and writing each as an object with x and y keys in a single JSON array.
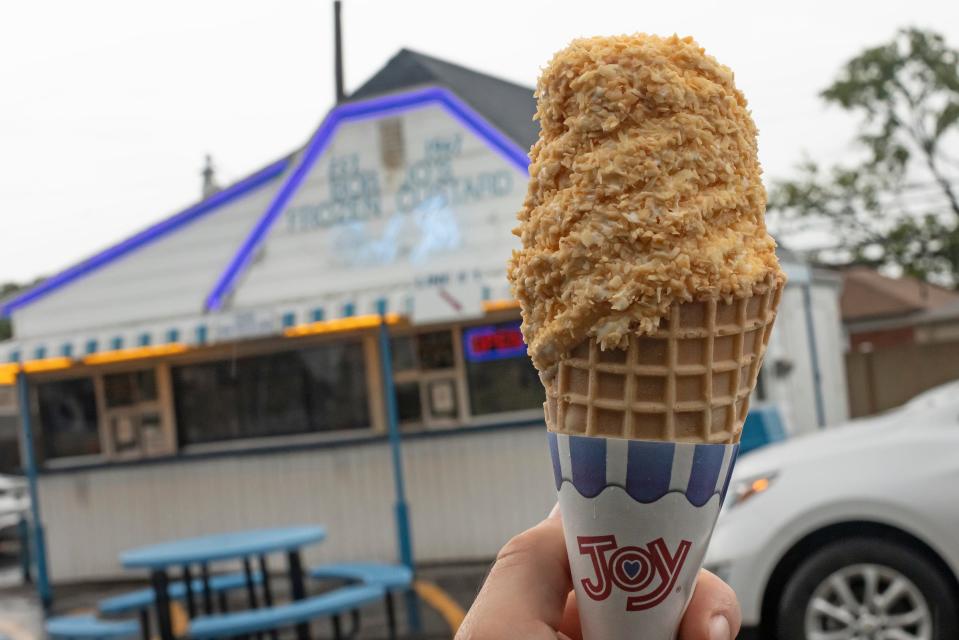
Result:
[{"x": 221, "y": 369}]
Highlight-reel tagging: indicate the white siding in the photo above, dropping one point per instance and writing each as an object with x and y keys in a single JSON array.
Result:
[
  {"x": 467, "y": 492},
  {"x": 831, "y": 349},
  {"x": 167, "y": 278},
  {"x": 794, "y": 393}
]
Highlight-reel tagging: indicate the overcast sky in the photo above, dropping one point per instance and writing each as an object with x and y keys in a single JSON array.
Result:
[{"x": 107, "y": 107}]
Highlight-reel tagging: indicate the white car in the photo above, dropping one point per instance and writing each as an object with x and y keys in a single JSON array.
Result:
[
  {"x": 14, "y": 501},
  {"x": 851, "y": 533}
]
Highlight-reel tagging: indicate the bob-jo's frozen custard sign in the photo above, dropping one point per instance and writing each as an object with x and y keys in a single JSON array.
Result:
[{"x": 357, "y": 193}]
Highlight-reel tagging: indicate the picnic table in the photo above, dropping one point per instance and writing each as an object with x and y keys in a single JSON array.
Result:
[{"x": 246, "y": 546}]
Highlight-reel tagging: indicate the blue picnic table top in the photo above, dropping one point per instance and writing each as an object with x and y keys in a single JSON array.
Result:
[{"x": 222, "y": 546}]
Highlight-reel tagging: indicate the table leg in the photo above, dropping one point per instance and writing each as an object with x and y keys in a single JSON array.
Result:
[
  {"x": 354, "y": 623},
  {"x": 145, "y": 624},
  {"x": 207, "y": 591},
  {"x": 390, "y": 615},
  {"x": 221, "y": 599},
  {"x": 188, "y": 585},
  {"x": 250, "y": 589},
  {"x": 298, "y": 589},
  {"x": 161, "y": 596},
  {"x": 267, "y": 592}
]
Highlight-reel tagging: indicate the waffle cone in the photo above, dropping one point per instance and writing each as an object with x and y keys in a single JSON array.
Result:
[{"x": 690, "y": 381}]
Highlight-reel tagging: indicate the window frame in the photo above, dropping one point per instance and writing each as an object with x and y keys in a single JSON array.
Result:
[
  {"x": 500, "y": 417},
  {"x": 254, "y": 348},
  {"x": 34, "y": 409},
  {"x": 423, "y": 377}
]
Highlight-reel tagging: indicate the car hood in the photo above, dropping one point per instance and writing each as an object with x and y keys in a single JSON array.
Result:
[{"x": 888, "y": 429}]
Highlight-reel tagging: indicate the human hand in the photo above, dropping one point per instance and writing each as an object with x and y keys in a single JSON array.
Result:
[{"x": 528, "y": 595}]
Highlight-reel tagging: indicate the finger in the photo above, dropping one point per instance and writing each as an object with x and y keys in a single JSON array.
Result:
[
  {"x": 713, "y": 613},
  {"x": 525, "y": 593},
  {"x": 570, "y": 625}
]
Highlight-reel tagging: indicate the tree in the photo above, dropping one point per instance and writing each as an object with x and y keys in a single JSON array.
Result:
[
  {"x": 7, "y": 289},
  {"x": 899, "y": 205}
]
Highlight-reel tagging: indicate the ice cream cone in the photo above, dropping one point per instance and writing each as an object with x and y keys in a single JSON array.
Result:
[
  {"x": 643, "y": 442},
  {"x": 690, "y": 381},
  {"x": 649, "y": 285}
]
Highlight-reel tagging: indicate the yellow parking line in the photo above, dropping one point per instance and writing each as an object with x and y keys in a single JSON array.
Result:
[
  {"x": 448, "y": 608},
  {"x": 12, "y": 630}
]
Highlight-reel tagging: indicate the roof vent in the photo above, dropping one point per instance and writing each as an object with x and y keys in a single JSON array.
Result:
[
  {"x": 210, "y": 185},
  {"x": 392, "y": 149}
]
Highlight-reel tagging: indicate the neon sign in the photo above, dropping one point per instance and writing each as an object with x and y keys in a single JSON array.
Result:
[{"x": 494, "y": 342}]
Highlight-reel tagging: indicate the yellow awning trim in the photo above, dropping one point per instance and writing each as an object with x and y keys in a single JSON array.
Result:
[
  {"x": 341, "y": 324},
  {"x": 499, "y": 305},
  {"x": 135, "y": 353}
]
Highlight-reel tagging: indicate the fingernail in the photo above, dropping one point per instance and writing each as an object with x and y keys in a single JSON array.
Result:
[
  {"x": 719, "y": 629},
  {"x": 554, "y": 512}
]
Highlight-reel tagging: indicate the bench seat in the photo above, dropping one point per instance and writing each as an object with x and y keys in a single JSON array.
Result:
[
  {"x": 90, "y": 627},
  {"x": 143, "y": 598},
  {"x": 324, "y": 605},
  {"x": 389, "y": 576}
]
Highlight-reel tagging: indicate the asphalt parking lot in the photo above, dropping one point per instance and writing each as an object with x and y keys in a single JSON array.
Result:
[{"x": 21, "y": 616}]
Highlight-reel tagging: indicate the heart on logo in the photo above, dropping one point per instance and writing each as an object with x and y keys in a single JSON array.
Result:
[{"x": 631, "y": 567}]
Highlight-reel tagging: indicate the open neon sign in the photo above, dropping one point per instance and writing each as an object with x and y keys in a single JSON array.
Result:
[{"x": 494, "y": 342}]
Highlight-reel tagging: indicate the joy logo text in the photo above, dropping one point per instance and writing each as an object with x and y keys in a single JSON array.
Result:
[{"x": 649, "y": 572}]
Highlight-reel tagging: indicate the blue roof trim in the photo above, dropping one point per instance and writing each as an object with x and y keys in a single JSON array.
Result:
[
  {"x": 146, "y": 236},
  {"x": 349, "y": 112}
]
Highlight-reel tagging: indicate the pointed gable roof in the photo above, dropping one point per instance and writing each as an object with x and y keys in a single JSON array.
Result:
[
  {"x": 867, "y": 295},
  {"x": 507, "y": 105}
]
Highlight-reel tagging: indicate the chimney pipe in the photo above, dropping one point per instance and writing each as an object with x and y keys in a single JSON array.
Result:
[{"x": 338, "y": 51}]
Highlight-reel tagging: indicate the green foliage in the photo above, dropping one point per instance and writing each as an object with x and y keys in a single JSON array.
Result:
[
  {"x": 7, "y": 289},
  {"x": 898, "y": 205}
]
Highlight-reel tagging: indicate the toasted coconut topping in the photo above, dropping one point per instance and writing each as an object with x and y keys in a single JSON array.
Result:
[{"x": 644, "y": 191}]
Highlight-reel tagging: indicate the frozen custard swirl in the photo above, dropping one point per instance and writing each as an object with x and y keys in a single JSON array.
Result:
[{"x": 644, "y": 191}]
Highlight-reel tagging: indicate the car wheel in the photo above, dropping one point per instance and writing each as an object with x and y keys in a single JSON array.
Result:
[{"x": 867, "y": 589}]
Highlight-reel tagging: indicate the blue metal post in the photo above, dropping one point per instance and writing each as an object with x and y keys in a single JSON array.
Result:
[
  {"x": 813, "y": 352},
  {"x": 30, "y": 466},
  {"x": 23, "y": 535},
  {"x": 401, "y": 510}
]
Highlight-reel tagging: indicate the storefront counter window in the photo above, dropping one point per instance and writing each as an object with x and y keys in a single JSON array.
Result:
[
  {"x": 499, "y": 374},
  {"x": 224, "y": 399},
  {"x": 425, "y": 376},
  {"x": 68, "y": 418},
  {"x": 309, "y": 390}
]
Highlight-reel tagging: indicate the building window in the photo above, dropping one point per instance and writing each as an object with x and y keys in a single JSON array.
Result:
[
  {"x": 499, "y": 374},
  {"x": 201, "y": 334},
  {"x": 66, "y": 350},
  {"x": 144, "y": 340},
  {"x": 129, "y": 388},
  {"x": 40, "y": 353},
  {"x": 68, "y": 418},
  {"x": 91, "y": 346},
  {"x": 289, "y": 319},
  {"x": 317, "y": 315},
  {"x": 349, "y": 310},
  {"x": 132, "y": 412},
  {"x": 173, "y": 335},
  {"x": 318, "y": 389},
  {"x": 425, "y": 378},
  {"x": 117, "y": 343}
]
